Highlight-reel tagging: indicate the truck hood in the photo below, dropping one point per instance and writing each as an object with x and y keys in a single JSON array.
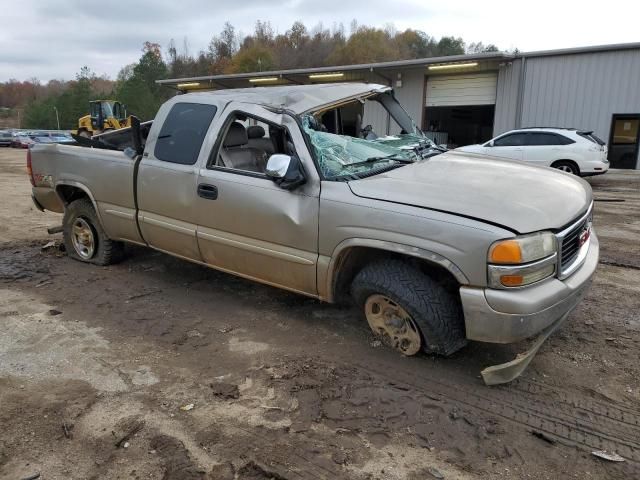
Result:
[{"x": 514, "y": 195}]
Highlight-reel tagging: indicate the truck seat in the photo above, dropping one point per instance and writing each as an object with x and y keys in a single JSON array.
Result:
[
  {"x": 257, "y": 140},
  {"x": 238, "y": 154}
]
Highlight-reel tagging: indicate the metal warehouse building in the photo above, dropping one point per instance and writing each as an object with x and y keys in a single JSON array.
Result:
[{"x": 467, "y": 99}]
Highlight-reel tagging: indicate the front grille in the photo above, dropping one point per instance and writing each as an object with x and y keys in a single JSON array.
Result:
[{"x": 570, "y": 246}]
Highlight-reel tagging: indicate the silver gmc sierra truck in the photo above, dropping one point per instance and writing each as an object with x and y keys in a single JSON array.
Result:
[{"x": 293, "y": 187}]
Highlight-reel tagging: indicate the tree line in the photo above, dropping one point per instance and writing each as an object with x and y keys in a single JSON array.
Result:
[{"x": 228, "y": 52}]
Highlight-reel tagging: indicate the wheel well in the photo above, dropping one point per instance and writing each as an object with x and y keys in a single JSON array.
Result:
[
  {"x": 354, "y": 259},
  {"x": 69, "y": 193},
  {"x": 565, "y": 160}
]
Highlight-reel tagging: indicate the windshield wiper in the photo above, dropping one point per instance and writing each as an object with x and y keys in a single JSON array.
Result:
[{"x": 369, "y": 160}]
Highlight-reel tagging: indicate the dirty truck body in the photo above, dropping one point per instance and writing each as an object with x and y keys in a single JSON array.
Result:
[{"x": 437, "y": 248}]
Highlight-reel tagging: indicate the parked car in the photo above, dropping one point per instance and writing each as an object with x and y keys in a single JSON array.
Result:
[
  {"x": 435, "y": 248},
  {"x": 6, "y": 138},
  {"x": 567, "y": 149},
  {"x": 40, "y": 137},
  {"x": 61, "y": 137},
  {"x": 22, "y": 141}
]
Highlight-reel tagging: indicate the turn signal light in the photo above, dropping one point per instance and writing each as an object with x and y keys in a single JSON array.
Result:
[
  {"x": 507, "y": 251},
  {"x": 512, "y": 280}
]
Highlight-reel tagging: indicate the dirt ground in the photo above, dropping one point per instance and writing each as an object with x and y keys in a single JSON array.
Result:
[{"x": 158, "y": 368}]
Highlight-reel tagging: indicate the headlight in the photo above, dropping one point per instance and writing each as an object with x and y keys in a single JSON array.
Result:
[{"x": 523, "y": 260}]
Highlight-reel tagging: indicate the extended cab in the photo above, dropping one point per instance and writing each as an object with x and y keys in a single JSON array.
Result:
[{"x": 291, "y": 186}]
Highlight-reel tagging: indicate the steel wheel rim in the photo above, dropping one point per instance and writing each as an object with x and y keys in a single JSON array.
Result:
[
  {"x": 83, "y": 238},
  {"x": 393, "y": 324},
  {"x": 565, "y": 168}
]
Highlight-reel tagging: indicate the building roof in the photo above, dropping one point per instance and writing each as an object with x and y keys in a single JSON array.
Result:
[
  {"x": 300, "y": 75},
  {"x": 220, "y": 79},
  {"x": 577, "y": 50},
  {"x": 297, "y": 98}
]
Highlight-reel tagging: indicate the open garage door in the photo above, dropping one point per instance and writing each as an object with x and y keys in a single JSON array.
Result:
[
  {"x": 459, "y": 109},
  {"x": 456, "y": 90}
]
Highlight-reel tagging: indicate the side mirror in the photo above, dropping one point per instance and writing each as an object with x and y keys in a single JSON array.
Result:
[
  {"x": 489, "y": 144},
  {"x": 286, "y": 171}
]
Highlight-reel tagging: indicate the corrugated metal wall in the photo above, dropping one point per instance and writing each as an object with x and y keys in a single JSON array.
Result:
[
  {"x": 581, "y": 91},
  {"x": 506, "y": 113}
]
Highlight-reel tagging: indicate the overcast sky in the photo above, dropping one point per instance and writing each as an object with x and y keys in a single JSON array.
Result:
[{"x": 53, "y": 38}]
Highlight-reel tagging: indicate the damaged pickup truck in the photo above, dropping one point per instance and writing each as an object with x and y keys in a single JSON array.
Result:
[{"x": 291, "y": 186}]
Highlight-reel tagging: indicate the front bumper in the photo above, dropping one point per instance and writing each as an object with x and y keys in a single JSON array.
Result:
[{"x": 508, "y": 316}]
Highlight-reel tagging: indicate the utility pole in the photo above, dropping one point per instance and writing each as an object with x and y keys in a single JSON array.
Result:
[{"x": 57, "y": 117}]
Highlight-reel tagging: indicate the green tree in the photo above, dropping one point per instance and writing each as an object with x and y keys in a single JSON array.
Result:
[
  {"x": 254, "y": 58},
  {"x": 415, "y": 44},
  {"x": 364, "y": 46},
  {"x": 137, "y": 87},
  {"x": 450, "y": 46},
  {"x": 479, "y": 47}
]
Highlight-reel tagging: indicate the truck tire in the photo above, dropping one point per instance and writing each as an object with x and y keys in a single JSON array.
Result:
[
  {"x": 84, "y": 238},
  {"x": 409, "y": 310}
]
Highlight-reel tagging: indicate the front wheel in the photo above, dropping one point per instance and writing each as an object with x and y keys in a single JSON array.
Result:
[
  {"x": 409, "y": 310},
  {"x": 84, "y": 238}
]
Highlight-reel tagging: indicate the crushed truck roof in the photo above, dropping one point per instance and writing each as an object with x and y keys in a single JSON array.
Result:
[{"x": 297, "y": 98}]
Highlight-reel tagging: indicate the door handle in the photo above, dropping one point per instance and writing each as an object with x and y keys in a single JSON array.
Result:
[{"x": 210, "y": 192}]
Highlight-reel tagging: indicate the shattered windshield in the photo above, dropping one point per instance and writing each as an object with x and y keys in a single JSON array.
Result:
[
  {"x": 345, "y": 156},
  {"x": 365, "y": 136}
]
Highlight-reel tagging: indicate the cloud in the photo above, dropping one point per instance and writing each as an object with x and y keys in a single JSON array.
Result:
[{"x": 50, "y": 39}]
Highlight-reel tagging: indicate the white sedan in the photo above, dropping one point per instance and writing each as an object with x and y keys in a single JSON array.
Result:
[{"x": 574, "y": 151}]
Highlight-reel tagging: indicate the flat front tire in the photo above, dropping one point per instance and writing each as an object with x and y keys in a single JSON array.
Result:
[
  {"x": 409, "y": 310},
  {"x": 84, "y": 238}
]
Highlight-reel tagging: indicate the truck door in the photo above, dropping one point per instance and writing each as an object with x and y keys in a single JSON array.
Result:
[
  {"x": 247, "y": 224},
  {"x": 166, "y": 187}
]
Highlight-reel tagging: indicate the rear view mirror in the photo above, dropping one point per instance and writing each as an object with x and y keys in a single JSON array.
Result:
[{"x": 286, "y": 171}]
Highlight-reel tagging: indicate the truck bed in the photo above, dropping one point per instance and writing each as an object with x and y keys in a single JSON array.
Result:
[{"x": 105, "y": 176}]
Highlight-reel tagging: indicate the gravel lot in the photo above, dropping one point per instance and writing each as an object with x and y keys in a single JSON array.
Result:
[{"x": 158, "y": 368}]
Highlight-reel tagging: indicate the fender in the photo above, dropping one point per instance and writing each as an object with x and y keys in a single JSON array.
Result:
[
  {"x": 426, "y": 255},
  {"x": 84, "y": 188}
]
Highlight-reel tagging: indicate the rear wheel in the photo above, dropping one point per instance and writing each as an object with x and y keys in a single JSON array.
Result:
[
  {"x": 409, "y": 310},
  {"x": 84, "y": 238},
  {"x": 567, "y": 166}
]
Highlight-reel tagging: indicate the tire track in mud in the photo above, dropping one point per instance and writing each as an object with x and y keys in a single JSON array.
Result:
[
  {"x": 627, "y": 420},
  {"x": 603, "y": 430}
]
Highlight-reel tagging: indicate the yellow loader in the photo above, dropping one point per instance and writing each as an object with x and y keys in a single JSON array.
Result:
[{"x": 104, "y": 115}]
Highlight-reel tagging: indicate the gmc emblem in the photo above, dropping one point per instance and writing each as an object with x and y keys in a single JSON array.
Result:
[{"x": 584, "y": 235}]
